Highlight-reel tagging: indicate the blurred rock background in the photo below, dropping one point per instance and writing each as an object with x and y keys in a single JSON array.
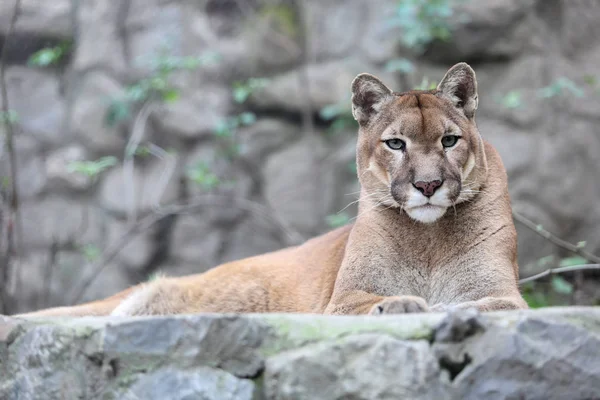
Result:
[{"x": 173, "y": 135}]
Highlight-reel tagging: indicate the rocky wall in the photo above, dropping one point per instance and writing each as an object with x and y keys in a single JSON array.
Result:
[
  {"x": 288, "y": 159},
  {"x": 549, "y": 354}
]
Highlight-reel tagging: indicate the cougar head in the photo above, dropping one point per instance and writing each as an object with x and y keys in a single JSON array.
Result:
[{"x": 419, "y": 151}]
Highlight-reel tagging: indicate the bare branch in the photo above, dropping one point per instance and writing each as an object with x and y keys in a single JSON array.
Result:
[
  {"x": 170, "y": 164},
  {"x": 559, "y": 271},
  {"x": 290, "y": 237},
  {"x": 139, "y": 127},
  {"x": 555, "y": 239},
  {"x": 14, "y": 197}
]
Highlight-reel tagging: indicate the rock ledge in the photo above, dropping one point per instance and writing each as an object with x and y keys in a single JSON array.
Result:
[{"x": 545, "y": 354}]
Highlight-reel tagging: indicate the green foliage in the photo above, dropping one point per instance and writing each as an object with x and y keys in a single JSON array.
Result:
[
  {"x": 340, "y": 117},
  {"x": 91, "y": 252},
  {"x": 154, "y": 276},
  {"x": 426, "y": 84},
  {"x": 157, "y": 86},
  {"x": 561, "y": 86},
  {"x": 226, "y": 132},
  {"x": 511, "y": 100},
  {"x": 10, "y": 116},
  {"x": 400, "y": 65},
  {"x": 535, "y": 297},
  {"x": 243, "y": 89},
  {"x": 5, "y": 182},
  {"x": 283, "y": 15},
  {"x": 202, "y": 175},
  {"x": 337, "y": 220},
  {"x": 556, "y": 290},
  {"x": 572, "y": 261},
  {"x": 352, "y": 167},
  {"x": 50, "y": 55},
  {"x": 92, "y": 168},
  {"x": 423, "y": 21},
  {"x": 560, "y": 285}
]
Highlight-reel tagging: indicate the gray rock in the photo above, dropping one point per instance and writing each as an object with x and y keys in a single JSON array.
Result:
[
  {"x": 196, "y": 113},
  {"x": 233, "y": 178},
  {"x": 138, "y": 251},
  {"x": 35, "y": 96},
  {"x": 199, "y": 383},
  {"x": 152, "y": 27},
  {"x": 328, "y": 84},
  {"x": 46, "y": 283},
  {"x": 196, "y": 243},
  {"x": 251, "y": 237},
  {"x": 530, "y": 360},
  {"x": 100, "y": 42},
  {"x": 357, "y": 367},
  {"x": 504, "y": 28},
  {"x": 60, "y": 220},
  {"x": 549, "y": 354},
  {"x": 266, "y": 136},
  {"x": 31, "y": 174},
  {"x": 299, "y": 184},
  {"x": 230, "y": 343},
  {"x": 58, "y": 169},
  {"x": 148, "y": 190},
  {"x": 88, "y": 114},
  {"x": 41, "y": 18}
]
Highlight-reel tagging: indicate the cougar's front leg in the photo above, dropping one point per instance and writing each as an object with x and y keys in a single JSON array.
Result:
[
  {"x": 360, "y": 302},
  {"x": 486, "y": 304}
]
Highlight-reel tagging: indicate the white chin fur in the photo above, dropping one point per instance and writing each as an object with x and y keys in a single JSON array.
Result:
[{"x": 426, "y": 214}]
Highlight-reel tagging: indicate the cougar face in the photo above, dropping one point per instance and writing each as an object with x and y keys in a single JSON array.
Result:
[{"x": 419, "y": 151}]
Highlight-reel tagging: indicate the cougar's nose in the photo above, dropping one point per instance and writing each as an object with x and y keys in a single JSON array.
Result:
[{"x": 428, "y": 188}]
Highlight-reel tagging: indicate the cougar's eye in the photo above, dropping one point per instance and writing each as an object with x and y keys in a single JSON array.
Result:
[
  {"x": 396, "y": 144},
  {"x": 449, "y": 141}
]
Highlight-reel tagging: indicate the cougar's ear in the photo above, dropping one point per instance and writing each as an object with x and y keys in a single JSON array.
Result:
[
  {"x": 368, "y": 95},
  {"x": 459, "y": 85}
]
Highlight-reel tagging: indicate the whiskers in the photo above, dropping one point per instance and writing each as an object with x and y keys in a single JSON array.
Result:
[{"x": 381, "y": 204}]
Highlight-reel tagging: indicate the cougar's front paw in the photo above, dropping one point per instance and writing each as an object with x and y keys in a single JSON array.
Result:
[{"x": 400, "y": 305}]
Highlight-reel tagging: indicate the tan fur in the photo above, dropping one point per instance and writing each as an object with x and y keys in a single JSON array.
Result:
[{"x": 397, "y": 257}]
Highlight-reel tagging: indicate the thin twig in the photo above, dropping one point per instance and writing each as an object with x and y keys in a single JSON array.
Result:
[
  {"x": 14, "y": 197},
  {"x": 560, "y": 271},
  {"x": 291, "y": 237},
  {"x": 170, "y": 164},
  {"x": 555, "y": 239},
  {"x": 139, "y": 127}
]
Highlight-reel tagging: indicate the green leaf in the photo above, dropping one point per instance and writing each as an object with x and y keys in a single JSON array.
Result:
[
  {"x": 512, "y": 99},
  {"x": 572, "y": 261},
  {"x": 203, "y": 176},
  {"x": 590, "y": 80},
  {"x": 536, "y": 299},
  {"x": 337, "y": 220},
  {"x": 92, "y": 168},
  {"x": 170, "y": 96},
  {"x": 241, "y": 94},
  {"x": 400, "y": 65},
  {"x": 561, "y": 286},
  {"x": 247, "y": 118},
  {"x": 330, "y": 112},
  {"x": 91, "y": 252},
  {"x": 11, "y": 116},
  {"x": 118, "y": 111},
  {"x": 581, "y": 244},
  {"x": 5, "y": 182},
  {"x": 46, "y": 57}
]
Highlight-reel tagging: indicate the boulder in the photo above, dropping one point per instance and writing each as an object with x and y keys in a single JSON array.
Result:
[
  {"x": 550, "y": 354},
  {"x": 40, "y": 18},
  {"x": 35, "y": 95}
]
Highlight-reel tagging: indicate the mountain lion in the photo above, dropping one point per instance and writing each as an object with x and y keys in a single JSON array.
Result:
[{"x": 434, "y": 228}]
